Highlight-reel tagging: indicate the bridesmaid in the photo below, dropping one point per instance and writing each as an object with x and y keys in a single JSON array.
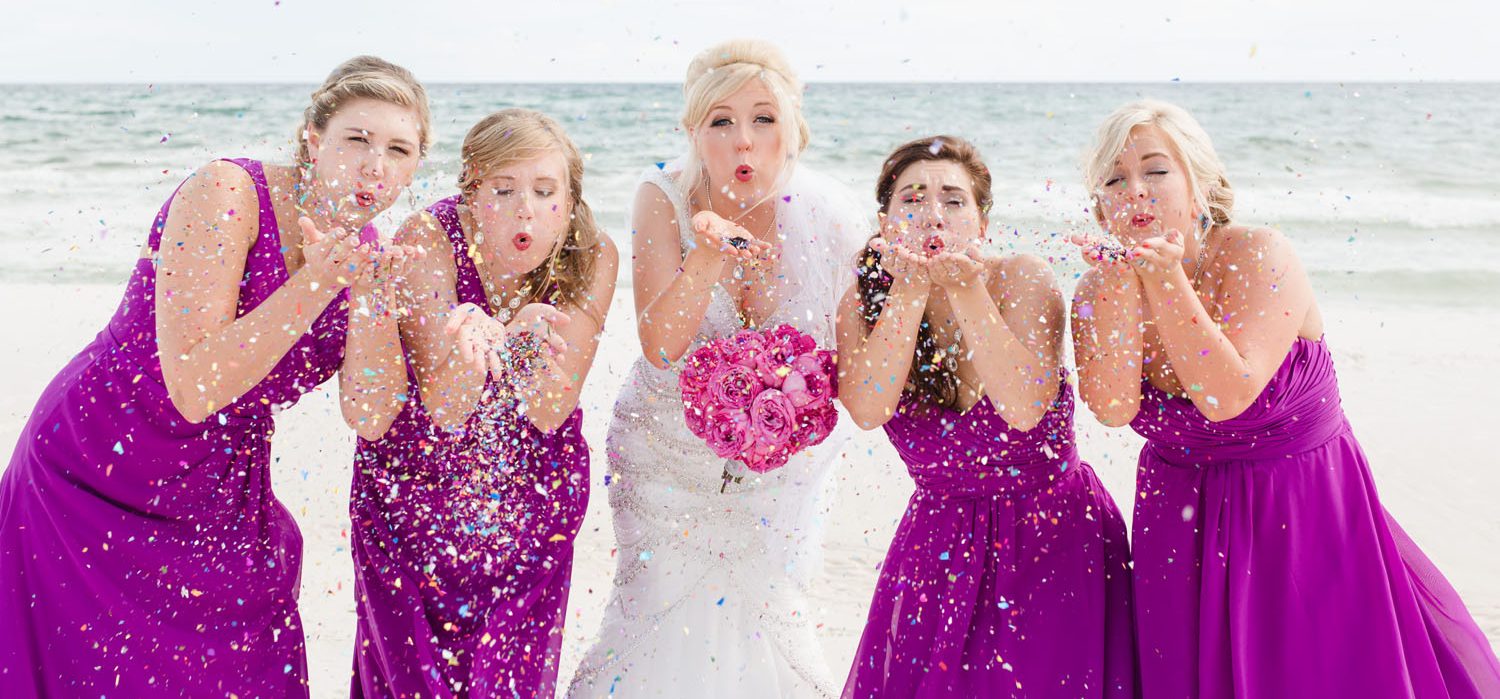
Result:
[
  {"x": 1265, "y": 565},
  {"x": 464, "y": 514},
  {"x": 142, "y": 551},
  {"x": 1009, "y": 573}
]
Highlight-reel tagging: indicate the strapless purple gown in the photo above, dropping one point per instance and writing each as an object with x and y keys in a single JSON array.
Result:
[
  {"x": 1265, "y": 565},
  {"x": 1009, "y": 575}
]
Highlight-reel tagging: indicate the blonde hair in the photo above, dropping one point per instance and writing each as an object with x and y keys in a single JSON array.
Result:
[
  {"x": 1210, "y": 187},
  {"x": 364, "y": 77},
  {"x": 719, "y": 71},
  {"x": 517, "y": 135}
]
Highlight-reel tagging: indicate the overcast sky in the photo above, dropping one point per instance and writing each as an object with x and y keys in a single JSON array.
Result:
[{"x": 146, "y": 41}]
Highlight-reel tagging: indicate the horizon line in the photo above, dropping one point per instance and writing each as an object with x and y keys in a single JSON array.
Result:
[{"x": 1158, "y": 81}]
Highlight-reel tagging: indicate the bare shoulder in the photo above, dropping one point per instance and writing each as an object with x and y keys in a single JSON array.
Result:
[
  {"x": 422, "y": 229},
  {"x": 223, "y": 174},
  {"x": 218, "y": 201},
  {"x": 653, "y": 202},
  {"x": 1248, "y": 244},
  {"x": 1020, "y": 274},
  {"x": 606, "y": 251},
  {"x": 219, "y": 181}
]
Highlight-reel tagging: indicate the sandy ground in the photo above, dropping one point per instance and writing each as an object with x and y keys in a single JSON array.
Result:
[{"x": 1418, "y": 385}]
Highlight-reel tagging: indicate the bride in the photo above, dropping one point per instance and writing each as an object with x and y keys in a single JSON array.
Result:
[{"x": 709, "y": 596}]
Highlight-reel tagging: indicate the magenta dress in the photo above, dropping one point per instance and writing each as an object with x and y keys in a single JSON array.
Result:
[
  {"x": 1009, "y": 575},
  {"x": 142, "y": 555},
  {"x": 1265, "y": 565},
  {"x": 463, "y": 542}
]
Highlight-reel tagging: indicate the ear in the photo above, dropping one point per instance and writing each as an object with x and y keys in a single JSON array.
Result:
[{"x": 314, "y": 137}]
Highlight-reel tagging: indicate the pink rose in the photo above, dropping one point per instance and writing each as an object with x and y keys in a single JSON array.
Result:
[
  {"x": 814, "y": 426},
  {"x": 772, "y": 366},
  {"x": 809, "y": 385},
  {"x": 697, "y": 368},
  {"x": 793, "y": 341},
  {"x": 763, "y": 461},
  {"x": 773, "y": 418},
  {"x": 733, "y": 386},
  {"x": 727, "y": 432},
  {"x": 696, "y": 417}
]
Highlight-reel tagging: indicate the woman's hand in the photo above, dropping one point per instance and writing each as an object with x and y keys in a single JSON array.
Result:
[
  {"x": 908, "y": 269},
  {"x": 714, "y": 235},
  {"x": 480, "y": 338},
  {"x": 330, "y": 258},
  {"x": 381, "y": 280},
  {"x": 955, "y": 271},
  {"x": 539, "y": 355},
  {"x": 1158, "y": 258}
]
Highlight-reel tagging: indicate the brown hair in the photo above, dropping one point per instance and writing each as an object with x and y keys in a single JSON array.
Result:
[
  {"x": 929, "y": 379},
  {"x": 364, "y": 77},
  {"x": 515, "y": 135}
]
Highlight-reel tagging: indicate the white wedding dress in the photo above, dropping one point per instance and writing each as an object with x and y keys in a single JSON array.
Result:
[{"x": 710, "y": 588}]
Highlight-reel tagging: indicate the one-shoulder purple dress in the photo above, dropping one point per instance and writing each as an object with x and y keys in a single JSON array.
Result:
[
  {"x": 142, "y": 555},
  {"x": 1009, "y": 575},
  {"x": 1265, "y": 565},
  {"x": 462, "y": 563}
]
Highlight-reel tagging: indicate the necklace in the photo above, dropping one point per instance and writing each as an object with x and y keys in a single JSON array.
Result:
[
  {"x": 739, "y": 267},
  {"x": 503, "y": 310},
  {"x": 1205, "y": 255}
]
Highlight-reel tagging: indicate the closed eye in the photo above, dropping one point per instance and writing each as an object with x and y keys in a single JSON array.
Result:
[{"x": 1113, "y": 181}]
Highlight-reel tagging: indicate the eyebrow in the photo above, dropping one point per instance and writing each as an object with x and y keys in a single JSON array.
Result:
[
  {"x": 945, "y": 188},
  {"x": 1155, "y": 154},
  {"x": 553, "y": 180},
  {"x": 367, "y": 132},
  {"x": 757, "y": 104}
]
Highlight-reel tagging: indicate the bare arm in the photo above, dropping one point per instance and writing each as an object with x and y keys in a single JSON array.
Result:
[
  {"x": 556, "y": 396},
  {"x": 672, "y": 290},
  {"x": 1107, "y": 342},
  {"x": 209, "y": 358},
  {"x": 874, "y": 363},
  {"x": 1012, "y": 331},
  {"x": 1264, "y": 299},
  {"x": 450, "y": 388},
  {"x": 374, "y": 371}
]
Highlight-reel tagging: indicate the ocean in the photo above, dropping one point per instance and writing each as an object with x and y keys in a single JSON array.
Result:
[{"x": 1383, "y": 188}]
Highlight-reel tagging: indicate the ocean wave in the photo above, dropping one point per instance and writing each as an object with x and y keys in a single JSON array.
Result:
[{"x": 1418, "y": 286}]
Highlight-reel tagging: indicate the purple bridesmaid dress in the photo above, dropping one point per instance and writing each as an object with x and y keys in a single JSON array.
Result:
[
  {"x": 142, "y": 555},
  {"x": 1009, "y": 575},
  {"x": 463, "y": 557},
  {"x": 1265, "y": 565}
]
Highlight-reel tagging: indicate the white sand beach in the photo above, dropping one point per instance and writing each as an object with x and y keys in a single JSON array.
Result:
[{"x": 1418, "y": 385}]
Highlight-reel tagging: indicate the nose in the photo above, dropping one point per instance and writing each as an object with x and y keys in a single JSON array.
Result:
[
  {"x": 1137, "y": 188},
  {"x": 742, "y": 138},
  {"x": 524, "y": 209},
  {"x": 929, "y": 215},
  {"x": 374, "y": 165}
]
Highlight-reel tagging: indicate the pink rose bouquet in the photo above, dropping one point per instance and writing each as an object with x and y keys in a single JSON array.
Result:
[{"x": 759, "y": 396}]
